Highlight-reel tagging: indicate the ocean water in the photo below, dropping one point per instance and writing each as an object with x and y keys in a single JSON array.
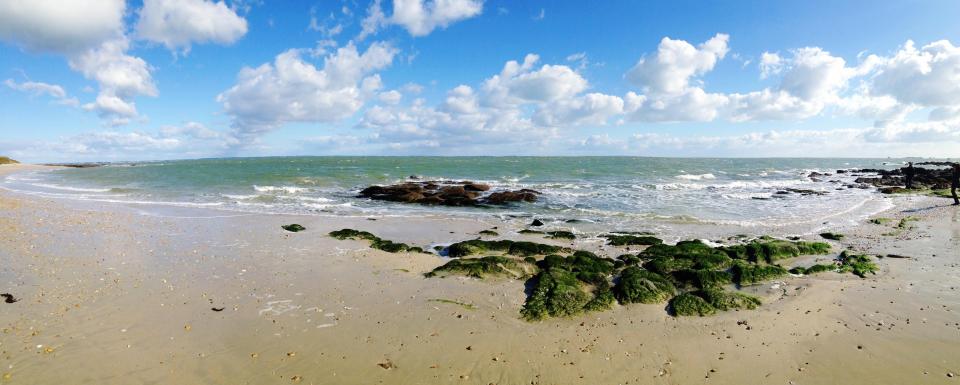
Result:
[{"x": 609, "y": 192}]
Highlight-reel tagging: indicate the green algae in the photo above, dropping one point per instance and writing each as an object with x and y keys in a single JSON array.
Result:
[
  {"x": 770, "y": 250},
  {"x": 748, "y": 274},
  {"x": 703, "y": 278},
  {"x": 637, "y": 285},
  {"x": 375, "y": 241},
  {"x": 516, "y": 248},
  {"x": 293, "y": 228},
  {"x": 818, "y": 268},
  {"x": 859, "y": 265},
  {"x": 631, "y": 240},
  {"x": 486, "y": 267},
  {"x": 490, "y": 233},
  {"x": 725, "y": 300},
  {"x": 556, "y": 293},
  {"x": 689, "y": 304}
]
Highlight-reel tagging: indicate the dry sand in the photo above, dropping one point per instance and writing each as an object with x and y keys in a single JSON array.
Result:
[{"x": 111, "y": 296}]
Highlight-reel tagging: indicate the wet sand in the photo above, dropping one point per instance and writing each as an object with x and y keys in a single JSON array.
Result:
[{"x": 111, "y": 296}]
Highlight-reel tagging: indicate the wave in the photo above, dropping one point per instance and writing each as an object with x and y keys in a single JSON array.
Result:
[
  {"x": 283, "y": 189},
  {"x": 67, "y": 188},
  {"x": 696, "y": 176}
]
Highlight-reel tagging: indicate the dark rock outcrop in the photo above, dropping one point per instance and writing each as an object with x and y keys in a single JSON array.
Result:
[
  {"x": 447, "y": 193},
  {"x": 932, "y": 178}
]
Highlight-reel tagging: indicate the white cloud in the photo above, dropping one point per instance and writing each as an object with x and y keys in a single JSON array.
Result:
[
  {"x": 929, "y": 76},
  {"x": 293, "y": 90},
  {"x": 39, "y": 88},
  {"x": 419, "y": 17},
  {"x": 60, "y": 26},
  {"x": 121, "y": 78},
  {"x": 675, "y": 63},
  {"x": 770, "y": 64},
  {"x": 178, "y": 23},
  {"x": 518, "y": 83}
]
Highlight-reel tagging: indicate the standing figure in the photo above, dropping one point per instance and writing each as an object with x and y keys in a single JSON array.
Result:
[
  {"x": 955, "y": 183},
  {"x": 909, "y": 172}
]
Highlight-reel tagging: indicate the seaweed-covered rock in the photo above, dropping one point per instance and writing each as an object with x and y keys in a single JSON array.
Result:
[
  {"x": 769, "y": 250},
  {"x": 747, "y": 274},
  {"x": 375, "y": 241},
  {"x": 293, "y": 228},
  {"x": 818, "y": 268},
  {"x": 561, "y": 235},
  {"x": 666, "y": 259},
  {"x": 587, "y": 266},
  {"x": 556, "y": 293},
  {"x": 703, "y": 278},
  {"x": 489, "y": 232},
  {"x": 517, "y": 248},
  {"x": 725, "y": 300},
  {"x": 639, "y": 285},
  {"x": 831, "y": 236},
  {"x": 631, "y": 240},
  {"x": 528, "y": 231},
  {"x": 689, "y": 304},
  {"x": 860, "y": 265},
  {"x": 493, "y": 266}
]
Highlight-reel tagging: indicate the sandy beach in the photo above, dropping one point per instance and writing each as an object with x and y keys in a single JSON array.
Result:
[{"x": 111, "y": 295}]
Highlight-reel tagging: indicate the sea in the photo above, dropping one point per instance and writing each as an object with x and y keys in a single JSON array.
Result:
[{"x": 663, "y": 195}]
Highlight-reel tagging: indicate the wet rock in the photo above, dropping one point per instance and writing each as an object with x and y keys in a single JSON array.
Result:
[
  {"x": 293, "y": 228},
  {"x": 536, "y": 223},
  {"x": 447, "y": 193},
  {"x": 831, "y": 236}
]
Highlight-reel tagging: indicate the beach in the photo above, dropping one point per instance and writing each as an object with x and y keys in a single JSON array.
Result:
[{"x": 111, "y": 293}]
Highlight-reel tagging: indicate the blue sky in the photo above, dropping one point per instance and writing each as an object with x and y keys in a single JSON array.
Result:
[{"x": 159, "y": 79}]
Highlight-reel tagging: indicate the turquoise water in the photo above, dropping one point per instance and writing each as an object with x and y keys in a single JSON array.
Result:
[{"x": 616, "y": 190}]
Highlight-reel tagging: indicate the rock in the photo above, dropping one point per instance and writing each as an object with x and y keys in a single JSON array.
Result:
[
  {"x": 447, "y": 193},
  {"x": 293, "y": 228},
  {"x": 9, "y": 298},
  {"x": 536, "y": 222}
]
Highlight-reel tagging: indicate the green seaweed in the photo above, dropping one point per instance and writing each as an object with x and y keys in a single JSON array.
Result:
[
  {"x": 860, "y": 265},
  {"x": 516, "y": 248},
  {"x": 631, "y": 240},
  {"x": 637, "y": 285},
  {"x": 725, "y": 300},
  {"x": 556, "y": 293},
  {"x": 770, "y": 250},
  {"x": 375, "y": 241},
  {"x": 527, "y": 231},
  {"x": 493, "y": 266},
  {"x": 747, "y": 274},
  {"x": 880, "y": 221},
  {"x": 293, "y": 228},
  {"x": 818, "y": 268},
  {"x": 490, "y": 233},
  {"x": 703, "y": 278},
  {"x": 689, "y": 304}
]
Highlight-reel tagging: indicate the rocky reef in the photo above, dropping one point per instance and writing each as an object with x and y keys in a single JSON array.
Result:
[
  {"x": 893, "y": 181},
  {"x": 692, "y": 277},
  {"x": 447, "y": 193}
]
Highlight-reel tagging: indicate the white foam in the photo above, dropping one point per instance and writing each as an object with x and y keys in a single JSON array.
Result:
[
  {"x": 66, "y": 188},
  {"x": 282, "y": 189},
  {"x": 696, "y": 176}
]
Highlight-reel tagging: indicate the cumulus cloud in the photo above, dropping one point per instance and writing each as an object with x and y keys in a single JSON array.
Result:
[
  {"x": 121, "y": 77},
  {"x": 60, "y": 26},
  {"x": 293, "y": 90},
  {"x": 524, "y": 103},
  {"x": 178, "y": 23},
  {"x": 928, "y": 76},
  {"x": 39, "y": 88},
  {"x": 419, "y": 17}
]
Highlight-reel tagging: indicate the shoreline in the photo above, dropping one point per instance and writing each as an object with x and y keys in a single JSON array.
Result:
[{"x": 128, "y": 297}]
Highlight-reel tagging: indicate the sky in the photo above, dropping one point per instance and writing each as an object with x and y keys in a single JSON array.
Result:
[{"x": 107, "y": 80}]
